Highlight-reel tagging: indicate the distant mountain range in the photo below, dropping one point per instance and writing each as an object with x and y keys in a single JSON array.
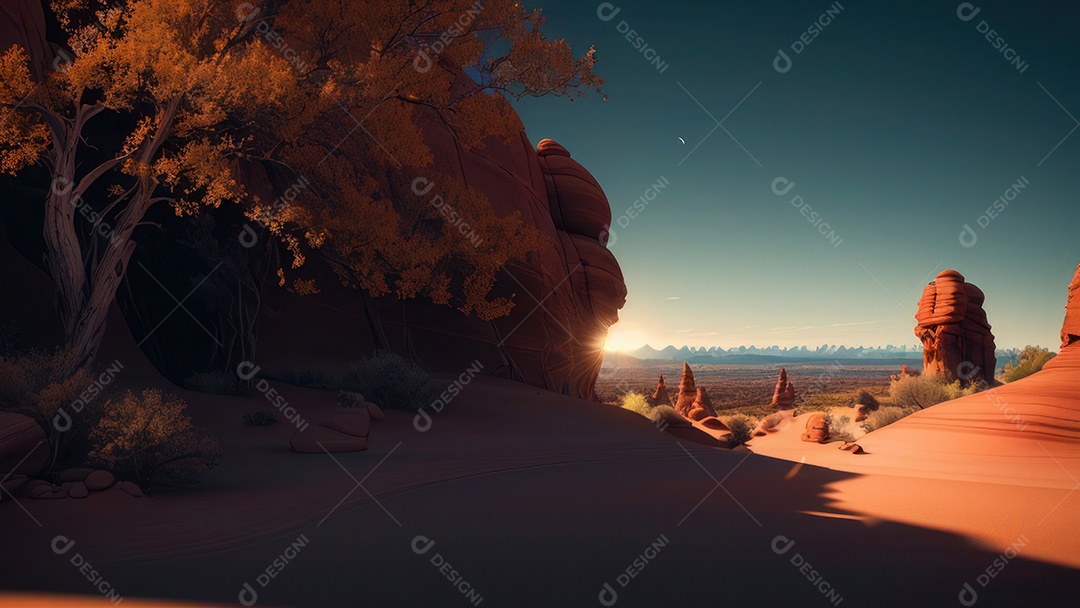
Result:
[{"x": 775, "y": 354}]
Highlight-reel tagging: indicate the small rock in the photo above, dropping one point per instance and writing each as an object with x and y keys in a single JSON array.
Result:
[
  {"x": 79, "y": 474},
  {"x": 47, "y": 492},
  {"x": 130, "y": 489},
  {"x": 99, "y": 480},
  {"x": 76, "y": 489},
  {"x": 375, "y": 411}
]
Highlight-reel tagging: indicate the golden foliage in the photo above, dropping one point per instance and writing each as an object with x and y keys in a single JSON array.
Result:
[
  {"x": 335, "y": 93},
  {"x": 149, "y": 439}
]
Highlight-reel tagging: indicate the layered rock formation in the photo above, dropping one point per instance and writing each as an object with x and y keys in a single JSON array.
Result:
[
  {"x": 23, "y": 449},
  {"x": 784, "y": 394},
  {"x": 954, "y": 330},
  {"x": 1070, "y": 330}
]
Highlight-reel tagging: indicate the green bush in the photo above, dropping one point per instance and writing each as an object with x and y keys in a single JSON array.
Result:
[
  {"x": 635, "y": 402},
  {"x": 149, "y": 439},
  {"x": 259, "y": 419},
  {"x": 1032, "y": 359},
  {"x": 924, "y": 391},
  {"x": 741, "y": 426}
]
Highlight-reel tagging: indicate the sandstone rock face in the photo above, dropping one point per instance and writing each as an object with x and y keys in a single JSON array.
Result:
[
  {"x": 23, "y": 449},
  {"x": 567, "y": 293},
  {"x": 1070, "y": 331},
  {"x": 954, "y": 330},
  {"x": 784, "y": 395}
]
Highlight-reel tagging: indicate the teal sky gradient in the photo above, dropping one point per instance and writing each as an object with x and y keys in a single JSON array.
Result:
[{"x": 898, "y": 124}]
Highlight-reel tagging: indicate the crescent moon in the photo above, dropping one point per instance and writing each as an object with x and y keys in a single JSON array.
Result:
[{"x": 683, "y": 141}]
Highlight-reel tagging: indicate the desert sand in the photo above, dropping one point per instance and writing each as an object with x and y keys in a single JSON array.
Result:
[{"x": 539, "y": 499}]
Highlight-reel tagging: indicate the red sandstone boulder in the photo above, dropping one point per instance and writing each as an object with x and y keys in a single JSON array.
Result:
[
  {"x": 784, "y": 394},
  {"x": 354, "y": 421},
  {"x": 954, "y": 330},
  {"x": 23, "y": 449}
]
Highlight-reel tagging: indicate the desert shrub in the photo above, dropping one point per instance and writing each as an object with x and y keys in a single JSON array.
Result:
[
  {"x": 387, "y": 380},
  {"x": 214, "y": 383},
  {"x": 664, "y": 415},
  {"x": 865, "y": 399},
  {"x": 36, "y": 384},
  {"x": 924, "y": 391},
  {"x": 635, "y": 402},
  {"x": 1031, "y": 360},
  {"x": 741, "y": 426},
  {"x": 841, "y": 425},
  {"x": 259, "y": 419},
  {"x": 149, "y": 439},
  {"x": 885, "y": 416}
]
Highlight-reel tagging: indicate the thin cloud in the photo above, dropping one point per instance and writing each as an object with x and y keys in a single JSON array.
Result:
[{"x": 675, "y": 298}]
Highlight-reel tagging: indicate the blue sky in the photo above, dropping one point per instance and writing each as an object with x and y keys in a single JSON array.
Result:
[{"x": 897, "y": 124}]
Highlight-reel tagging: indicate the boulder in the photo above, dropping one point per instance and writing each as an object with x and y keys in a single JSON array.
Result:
[
  {"x": 375, "y": 411},
  {"x": 354, "y": 421},
  {"x": 46, "y": 492},
  {"x": 817, "y": 431},
  {"x": 777, "y": 421},
  {"x": 75, "y": 474},
  {"x": 784, "y": 394},
  {"x": 23, "y": 448},
  {"x": 130, "y": 489},
  {"x": 76, "y": 489},
  {"x": 1070, "y": 331},
  {"x": 955, "y": 332},
  {"x": 99, "y": 480}
]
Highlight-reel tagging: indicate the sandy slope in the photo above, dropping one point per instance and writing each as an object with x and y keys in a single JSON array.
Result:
[{"x": 539, "y": 500}]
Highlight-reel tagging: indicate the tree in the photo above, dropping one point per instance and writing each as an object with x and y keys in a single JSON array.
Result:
[
  {"x": 258, "y": 104},
  {"x": 1030, "y": 360}
]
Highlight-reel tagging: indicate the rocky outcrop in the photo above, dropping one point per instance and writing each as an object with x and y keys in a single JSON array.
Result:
[
  {"x": 684, "y": 402},
  {"x": 660, "y": 395},
  {"x": 954, "y": 330},
  {"x": 702, "y": 407},
  {"x": 784, "y": 394},
  {"x": 1070, "y": 330}
]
